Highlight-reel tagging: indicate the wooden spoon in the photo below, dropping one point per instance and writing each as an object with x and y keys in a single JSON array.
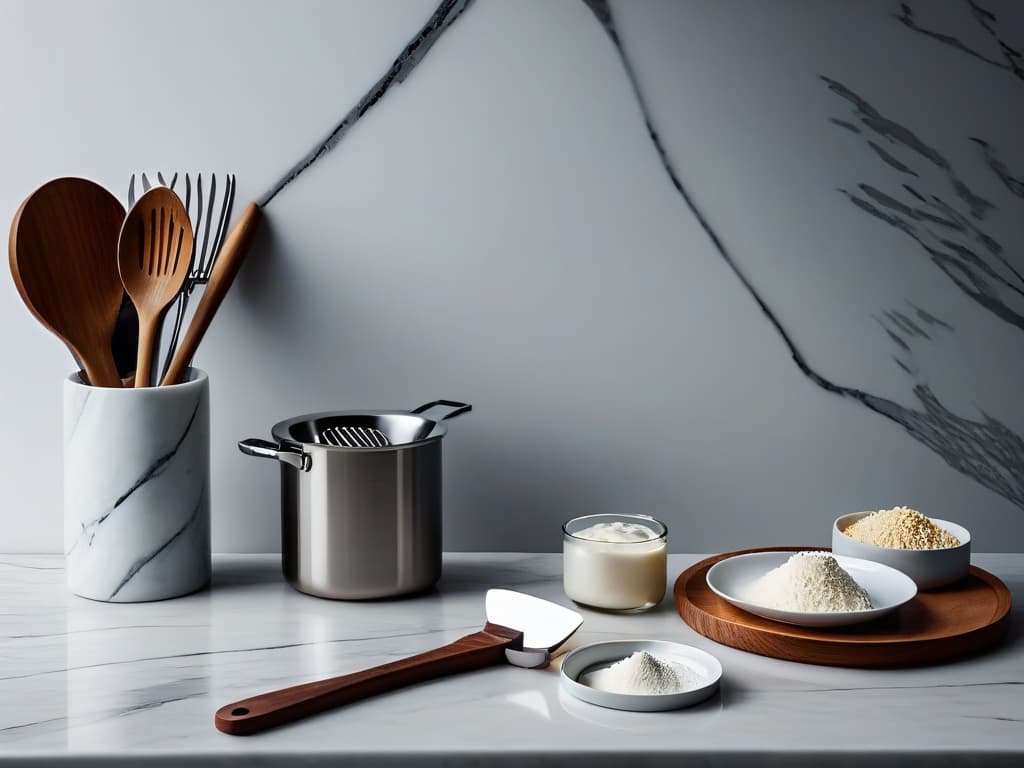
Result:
[
  {"x": 153, "y": 256},
  {"x": 62, "y": 252},
  {"x": 232, "y": 254}
]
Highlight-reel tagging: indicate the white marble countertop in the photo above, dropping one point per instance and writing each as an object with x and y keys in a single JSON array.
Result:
[{"x": 99, "y": 682}]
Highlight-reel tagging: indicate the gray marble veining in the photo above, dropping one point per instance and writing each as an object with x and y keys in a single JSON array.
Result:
[
  {"x": 568, "y": 206},
  {"x": 984, "y": 447},
  {"x": 444, "y": 15},
  {"x": 99, "y": 681},
  {"x": 137, "y": 490},
  {"x": 1009, "y": 57}
]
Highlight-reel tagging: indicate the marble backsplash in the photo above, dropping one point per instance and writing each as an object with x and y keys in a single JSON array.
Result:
[{"x": 741, "y": 266}]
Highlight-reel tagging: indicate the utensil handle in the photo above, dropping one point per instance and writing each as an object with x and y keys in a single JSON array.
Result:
[
  {"x": 459, "y": 408},
  {"x": 233, "y": 253},
  {"x": 144, "y": 357},
  {"x": 268, "y": 710},
  {"x": 100, "y": 368}
]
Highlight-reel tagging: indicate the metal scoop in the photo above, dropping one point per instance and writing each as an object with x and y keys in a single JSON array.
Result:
[
  {"x": 355, "y": 437},
  {"x": 521, "y": 629}
]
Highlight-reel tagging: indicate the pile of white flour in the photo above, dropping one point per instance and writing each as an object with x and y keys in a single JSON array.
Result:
[
  {"x": 810, "y": 582},
  {"x": 644, "y": 674}
]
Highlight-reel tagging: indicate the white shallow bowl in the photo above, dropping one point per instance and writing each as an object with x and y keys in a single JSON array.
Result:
[
  {"x": 598, "y": 655},
  {"x": 887, "y": 588},
  {"x": 929, "y": 568}
]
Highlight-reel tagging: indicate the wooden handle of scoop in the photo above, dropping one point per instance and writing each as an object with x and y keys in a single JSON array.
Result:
[
  {"x": 269, "y": 710},
  {"x": 232, "y": 254},
  {"x": 100, "y": 368}
]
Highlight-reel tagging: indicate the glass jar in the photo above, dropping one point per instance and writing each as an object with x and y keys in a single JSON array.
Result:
[{"x": 615, "y": 562}]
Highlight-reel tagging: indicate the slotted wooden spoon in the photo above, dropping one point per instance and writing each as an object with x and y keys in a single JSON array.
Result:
[
  {"x": 62, "y": 250},
  {"x": 153, "y": 256}
]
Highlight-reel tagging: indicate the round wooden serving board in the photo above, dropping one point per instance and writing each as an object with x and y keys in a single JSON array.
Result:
[{"x": 959, "y": 620}]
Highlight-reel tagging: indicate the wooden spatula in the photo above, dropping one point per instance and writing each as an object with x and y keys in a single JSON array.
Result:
[
  {"x": 232, "y": 254},
  {"x": 153, "y": 256},
  {"x": 62, "y": 249},
  {"x": 521, "y": 629}
]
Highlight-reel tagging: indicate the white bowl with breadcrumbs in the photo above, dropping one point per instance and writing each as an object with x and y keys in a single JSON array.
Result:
[{"x": 929, "y": 568}]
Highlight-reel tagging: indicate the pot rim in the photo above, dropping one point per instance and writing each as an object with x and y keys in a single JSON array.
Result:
[{"x": 281, "y": 432}]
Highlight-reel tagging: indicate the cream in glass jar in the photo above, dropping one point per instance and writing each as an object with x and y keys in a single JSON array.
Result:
[{"x": 615, "y": 562}]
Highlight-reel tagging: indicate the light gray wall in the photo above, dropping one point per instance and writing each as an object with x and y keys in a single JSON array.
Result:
[{"x": 500, "y": 228}]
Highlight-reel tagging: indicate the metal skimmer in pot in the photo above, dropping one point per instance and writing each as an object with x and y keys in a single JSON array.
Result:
[{"x": 360, "y": 519}]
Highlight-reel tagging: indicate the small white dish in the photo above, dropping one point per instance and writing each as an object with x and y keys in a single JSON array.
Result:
[
  {"x": 887, "y": 588},
  {"x": 597, "y": 655},
  {"x": 929, "y": 568}
]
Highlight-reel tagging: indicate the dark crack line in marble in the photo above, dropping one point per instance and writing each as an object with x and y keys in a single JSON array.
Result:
[
  {"x": 927, "y": 317},
  {"x": 965, "y": 268},
  {"x": 968, "y": 255},
  {"x": 107, "y": 629},
  {"x": 971, "y": 273},
  {"x": 602, "y": 11},
  {"x": 964, "y": 224},
  {"x": 145, "y": 560},
  {"x": 157, "y": 467},
  {"x": 989, "y": 22},
  {"x": 33, "y": 567},
  {"x": 928, "y": 687},
  {"x": 101, "y": 715},
  {"x": 78, "y": 416},
  {"x": 156, "y": 704},
  {"x": 895, "y": 325},
  {"x": 891, "y": 161},
  {"x": 952, "y": 264},
  {"x": 1011, "y": 182},
  {"x": 917, "y": 195},
  {"x": 906, "y": 368},
  {"x": 896, "y": 338},
  {"x": 986, "y": 450},
  {"x": 986, "y": 19},
  {"x": 964, "y": 275},
  {"x": 886, "y": 128},
  {"x": 153, "y": 470},
  {"x": 413, "y": 53},
  {"x": 978, "y": 204},
  {"x": 283, "y": 646},
  {"x": 983, "y": 16},
  {"x": 843, "y": 124},
  {"x": 900, "y": 134},
  {"x": 29, "y": 725},
  {"x": 907, "y": 324},
  {"x": 892, "y": 203}
]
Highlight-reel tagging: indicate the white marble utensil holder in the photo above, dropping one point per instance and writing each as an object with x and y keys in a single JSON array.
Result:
[{"x": 137, "y": 489}]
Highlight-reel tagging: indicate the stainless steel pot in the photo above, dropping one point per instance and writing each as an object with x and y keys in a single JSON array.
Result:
[{"x": 361, "y": 522}]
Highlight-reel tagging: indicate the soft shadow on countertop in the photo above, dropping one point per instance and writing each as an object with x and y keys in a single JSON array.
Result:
[
  {"x": 458, "y": 577},
  {"x": 1014, "y": 632},
  {"x": 477, "y": 577},
  {"x": 247, "y": 572}
]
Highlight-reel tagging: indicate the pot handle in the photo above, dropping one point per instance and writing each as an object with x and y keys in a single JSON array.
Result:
[
  {"x": 458, "y": 408},
  {"x": 264, "y": 449}
]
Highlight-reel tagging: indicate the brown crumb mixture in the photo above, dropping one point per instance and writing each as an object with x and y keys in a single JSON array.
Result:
[{"x": 901, "y": 528}]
